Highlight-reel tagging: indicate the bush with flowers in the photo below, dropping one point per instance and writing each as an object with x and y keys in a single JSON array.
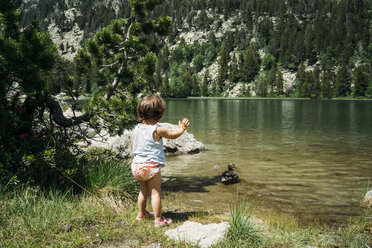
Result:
[
  {"x": 36, "y": 139},
  {"x": 32, "y": 148}
]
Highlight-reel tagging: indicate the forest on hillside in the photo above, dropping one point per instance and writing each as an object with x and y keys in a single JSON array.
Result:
[{"x": 326, "y": 43}]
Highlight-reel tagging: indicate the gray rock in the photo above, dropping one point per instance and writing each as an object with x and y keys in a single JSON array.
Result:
[
  {"x": 368, "y": 194},
  {"x": 196, "y": 233},
  {"x": 367, "y": 202},
  {"x": 121, "y": 144},
  {"x": 186, "y": 143}
]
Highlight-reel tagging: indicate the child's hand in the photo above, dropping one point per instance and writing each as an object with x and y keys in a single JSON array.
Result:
[
  {"x": 184, "y": 124},
  {"x": 162, "y": 132}
]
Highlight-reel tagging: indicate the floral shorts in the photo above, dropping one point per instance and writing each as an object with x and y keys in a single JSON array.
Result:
[{"x": 145, "y": 171}]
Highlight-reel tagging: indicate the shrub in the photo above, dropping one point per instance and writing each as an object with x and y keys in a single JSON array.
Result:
[{"x": 32, "y": 149}]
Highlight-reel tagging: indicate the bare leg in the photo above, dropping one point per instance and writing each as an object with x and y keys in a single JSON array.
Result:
[
  {"x": 142, "y": 196},
  {"x": 155, "y": 189}
]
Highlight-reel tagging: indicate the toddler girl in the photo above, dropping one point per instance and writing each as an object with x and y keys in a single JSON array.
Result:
[{"x": 149, "y": 158}]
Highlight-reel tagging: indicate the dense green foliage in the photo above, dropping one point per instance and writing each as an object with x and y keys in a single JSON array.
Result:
[
  {"x": 123, "y": 57},
  {"x": 38, "y": 143},
  {"x": 289, "y": 36},
  {"x": 31, "y": 146},
  {"x": 336, "y": 35}
]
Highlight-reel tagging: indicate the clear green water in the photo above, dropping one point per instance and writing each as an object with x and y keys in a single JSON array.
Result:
[{"x": 308, "y": 158}]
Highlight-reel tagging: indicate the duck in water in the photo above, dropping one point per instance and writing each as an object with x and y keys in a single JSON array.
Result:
[{"x": 230, "y": 176}]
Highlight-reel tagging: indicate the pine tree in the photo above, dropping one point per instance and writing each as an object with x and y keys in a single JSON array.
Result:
[
  {"x": 125, "y": 57},
  {"x": 274, "y": 44},
  {"x": 361, "y": 80},
  {"x": 283, "y": 53},
  {"x": 233, "y": 70},
  {"x": 165, "y": 89},
  {"x": 212, "y": 38},
  {"x": 268, "y": 61},
  {"x": 279, "y": 82},
  {"x": 157, "y": 76},
  {"x": 309, "y": 47},
  {"x": 223, "y": 65},
  {"x": 299, "y": 48},
  {"x": 271, "y": 81},
  {"x": 187, "y": 82},
  {"x": 300, "y": 80},
  {"x": 264, "y": 28},
  {"x": 326, "y": 84},
  {"x": 249, "y": 65},
  {"x": 316, "y": 90},
  {"x": 202, "y": 20},
  {"x": 262, "y": 89},
  {"x": 205, "y": 83},
  {"x": 195, "y": 91},
  {"x": 343, "y": 82},
  {"x": 198, "y": 62}
]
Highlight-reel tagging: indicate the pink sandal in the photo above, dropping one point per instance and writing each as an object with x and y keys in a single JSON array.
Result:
[
  {"x": 146, "y": 215},
  {"x": 163, "y": 222}
]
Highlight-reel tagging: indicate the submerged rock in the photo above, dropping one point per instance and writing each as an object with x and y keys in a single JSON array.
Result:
[{"x": 196, "y": 233}]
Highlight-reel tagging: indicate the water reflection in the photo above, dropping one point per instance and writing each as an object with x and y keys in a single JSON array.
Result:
[{"x": 305, "y": 157}]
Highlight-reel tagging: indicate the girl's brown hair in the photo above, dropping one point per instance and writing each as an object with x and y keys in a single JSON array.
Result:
[{"x": 150, "y": 107}]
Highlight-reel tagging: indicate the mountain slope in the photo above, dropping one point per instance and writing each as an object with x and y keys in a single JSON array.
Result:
[{"x": 321, "y": 36}]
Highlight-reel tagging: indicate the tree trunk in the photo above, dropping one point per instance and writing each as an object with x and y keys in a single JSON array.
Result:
[{"x": 60, "y": 119}]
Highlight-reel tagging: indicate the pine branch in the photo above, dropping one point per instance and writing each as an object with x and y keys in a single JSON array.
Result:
[
  {"x": 58, "y": 117},
  {"x": 114, "y": 84},
  {"x": 111, "y": 65}
]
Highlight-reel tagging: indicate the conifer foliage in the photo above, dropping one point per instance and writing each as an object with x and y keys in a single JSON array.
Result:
[
  {"x": 31, "y": 146},
  {"x": 124, "y": 56},
  {"x": 326, "y": 34},
  {"x": 37, "y": 142}
]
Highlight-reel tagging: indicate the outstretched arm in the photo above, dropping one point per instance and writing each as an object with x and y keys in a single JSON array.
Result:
[
  {"x": 182, "y": 126},
  {"x": 131, "y": 142}
]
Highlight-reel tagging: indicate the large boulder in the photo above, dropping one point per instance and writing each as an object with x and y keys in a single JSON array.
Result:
[
  {"x": 196, "y": 233},
  {"x": 186, "y": 143},
  {"x": 120, "y": 144}
]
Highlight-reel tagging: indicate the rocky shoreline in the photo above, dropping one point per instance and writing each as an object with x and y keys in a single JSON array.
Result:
[{"x": 120, "y": 144}]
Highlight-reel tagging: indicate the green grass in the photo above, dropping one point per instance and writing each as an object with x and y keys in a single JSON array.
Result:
[
  {"x": 28, "y": 214},
  {"x": 114, "y": 175},
  {"x": 242, "y": 232},
  {"x": 31, "y": 217}
]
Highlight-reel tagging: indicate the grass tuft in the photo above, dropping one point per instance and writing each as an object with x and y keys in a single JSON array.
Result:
[
  {"x": 113, "y": 176},
  {"x": 242, "y": 232}
]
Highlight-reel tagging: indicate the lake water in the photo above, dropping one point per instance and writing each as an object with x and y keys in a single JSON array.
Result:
[{"x": 307, "y": 158}]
